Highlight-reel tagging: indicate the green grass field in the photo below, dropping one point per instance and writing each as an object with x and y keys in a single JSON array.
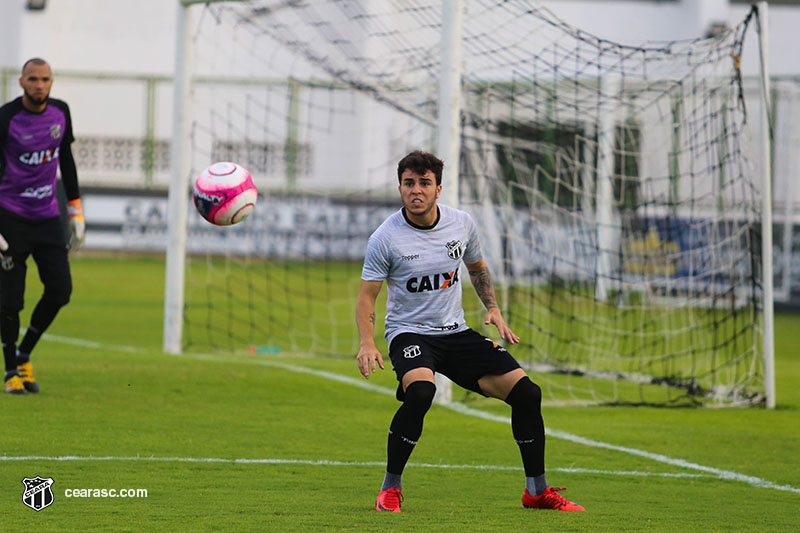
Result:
[
  {"x": 227, "y": 442},
  {"x": 233, "y": 303}
]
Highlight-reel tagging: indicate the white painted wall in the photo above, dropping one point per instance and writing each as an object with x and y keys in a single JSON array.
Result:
[
  {"x": 105, "y": 35},
  {"x": 138, "y": 36}
]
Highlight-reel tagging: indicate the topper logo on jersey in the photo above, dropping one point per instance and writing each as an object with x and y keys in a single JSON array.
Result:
[
  {"x": 40, "y": 157},
  {"x": 432, "y": 282},
  {"x": 455, "y": 249}
]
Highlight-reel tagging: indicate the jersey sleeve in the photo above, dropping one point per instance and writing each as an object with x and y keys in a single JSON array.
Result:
[
  {"x": 5, "y": 121},
  {"x": 473, "y": 252},
  {"x": 376, "y": 260},
  {"x": 69, "y": 172},
  {"x": 4, "y": 125}
]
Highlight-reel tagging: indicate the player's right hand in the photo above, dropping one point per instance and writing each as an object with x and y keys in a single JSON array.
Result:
[
  {"x": 3, "y": 245},
  {"x": 369, "y": 357}
]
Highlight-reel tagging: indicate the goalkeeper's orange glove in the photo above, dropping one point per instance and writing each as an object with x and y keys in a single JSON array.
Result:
[{"x": 77, "y": 226}]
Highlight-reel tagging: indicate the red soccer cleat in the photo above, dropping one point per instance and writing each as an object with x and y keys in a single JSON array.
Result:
[
  {"x": 389, "y": 500},
  {"x": 549, "y": 499}
]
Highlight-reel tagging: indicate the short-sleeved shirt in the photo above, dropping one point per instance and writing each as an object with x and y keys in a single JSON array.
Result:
[
  {"x": 421, "y": 267},
  {"x": 30, "y": 144}
]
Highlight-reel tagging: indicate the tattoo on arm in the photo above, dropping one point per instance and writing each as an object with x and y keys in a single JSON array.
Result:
[
  {"x": 372, "y": 318},
  {"x": 483, "y": 286}
]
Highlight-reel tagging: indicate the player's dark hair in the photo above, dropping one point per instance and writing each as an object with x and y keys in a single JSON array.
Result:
[
  {"x": 420, "y": 162},
  {"x": 38, "y": 61}
]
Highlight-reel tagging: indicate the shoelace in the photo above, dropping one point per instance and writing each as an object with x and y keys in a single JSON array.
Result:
[
  {"x": 393, "y": 498},
  {"x": 552, "y": 497}
]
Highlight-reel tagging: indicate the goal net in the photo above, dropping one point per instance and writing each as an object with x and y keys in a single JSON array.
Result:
[{"x": 611, "y": 185}]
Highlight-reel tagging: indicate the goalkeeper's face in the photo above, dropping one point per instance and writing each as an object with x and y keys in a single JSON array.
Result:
[
  {"x": 419, "y": 194},
  {"x": 36, "y": 82}
]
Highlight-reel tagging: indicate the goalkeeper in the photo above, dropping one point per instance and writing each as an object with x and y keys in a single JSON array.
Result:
[
  {"x": 419, "y": 251},
  {"x": 35, "y": 138}
]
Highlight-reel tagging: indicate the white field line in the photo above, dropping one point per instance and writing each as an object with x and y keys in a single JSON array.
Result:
[
  {"x": 325, "y": 462},
  {"x": 460, "y": 408}
]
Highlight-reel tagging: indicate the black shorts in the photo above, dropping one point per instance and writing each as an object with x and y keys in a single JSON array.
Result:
[
  {"x": 463, "y": 357},
  {"x": 42, "y": 239}
]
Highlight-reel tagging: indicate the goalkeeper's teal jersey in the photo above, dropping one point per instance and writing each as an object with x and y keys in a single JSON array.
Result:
[{"x": 421, "y": 267}]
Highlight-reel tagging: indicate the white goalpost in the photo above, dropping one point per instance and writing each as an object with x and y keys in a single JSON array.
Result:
[
  {"x": 179, "y": 185},
  {"x": 766, "y": 215},
  {"x": 449, "y": 146},
  {"x": 622, "y": 199}
]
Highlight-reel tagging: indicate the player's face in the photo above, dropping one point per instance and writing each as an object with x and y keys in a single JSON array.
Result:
[
  {"x": 36, "y": 82},
  {"x": 419, "y": 194}
]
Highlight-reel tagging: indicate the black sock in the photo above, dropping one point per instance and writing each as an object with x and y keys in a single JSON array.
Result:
[
  {"x": 406, "y": 425},
  {"x": 32, "y": 336},
  {"x": 9, "y": 332},
  {"x": 527, "y": 425},
  {"x": 43, "y": 315}
]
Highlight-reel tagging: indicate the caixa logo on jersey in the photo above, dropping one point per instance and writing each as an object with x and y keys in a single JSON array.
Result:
[
  {"x": 39, "y": 157},
  {"x": 432, "y": 282},
  {"x": 37, "y": 494}
]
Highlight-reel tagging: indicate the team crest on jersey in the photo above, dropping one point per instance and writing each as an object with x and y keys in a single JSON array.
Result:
[
  {"x": 55, "y": 131},
  {"x": 455, "y": 249},
  {"x": 37, "y": 493}
]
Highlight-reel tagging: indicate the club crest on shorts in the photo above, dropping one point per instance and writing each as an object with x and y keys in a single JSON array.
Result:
[
  {"x": 410, "y": 352},
  {"x": 7, "y": 262},
  {"x": 455, "y": 249},
  {"x": 37, "y": 494}
]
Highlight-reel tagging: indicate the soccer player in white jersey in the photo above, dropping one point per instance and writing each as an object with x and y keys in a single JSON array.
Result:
[{"x": 418, "y": 251}]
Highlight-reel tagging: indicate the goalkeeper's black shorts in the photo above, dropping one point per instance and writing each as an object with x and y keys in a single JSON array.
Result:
[
  {"x": 43, "y": 239},
  {"x": 463, "y": 357}
]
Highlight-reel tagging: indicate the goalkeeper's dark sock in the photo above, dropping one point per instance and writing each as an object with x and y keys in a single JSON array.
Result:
[
  {"x": 9, "y": 332},
  {"x": 32, "y": 336},
  {"x": 406, "y": 426},
  {"x": 22, "y": 357},
  {"x": 527, "y": 426},
  {"x": 43, "y": 315}
]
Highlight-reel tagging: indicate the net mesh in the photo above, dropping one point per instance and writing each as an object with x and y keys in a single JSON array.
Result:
[{"x": 616, "y": 206}]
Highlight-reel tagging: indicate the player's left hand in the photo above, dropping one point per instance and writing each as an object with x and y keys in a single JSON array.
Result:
[
  {"x": 493, "y": 316},
  {"x": 77, "y": 225}
]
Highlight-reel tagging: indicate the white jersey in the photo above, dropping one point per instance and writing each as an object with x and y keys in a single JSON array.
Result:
[{"x": 421, "y": 267}]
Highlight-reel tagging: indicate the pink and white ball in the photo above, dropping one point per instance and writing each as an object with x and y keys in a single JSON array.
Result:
[{"x": 225, "y": 194}]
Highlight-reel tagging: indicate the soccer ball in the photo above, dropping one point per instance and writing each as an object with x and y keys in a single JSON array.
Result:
[{"x": 224, "y": 194}]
